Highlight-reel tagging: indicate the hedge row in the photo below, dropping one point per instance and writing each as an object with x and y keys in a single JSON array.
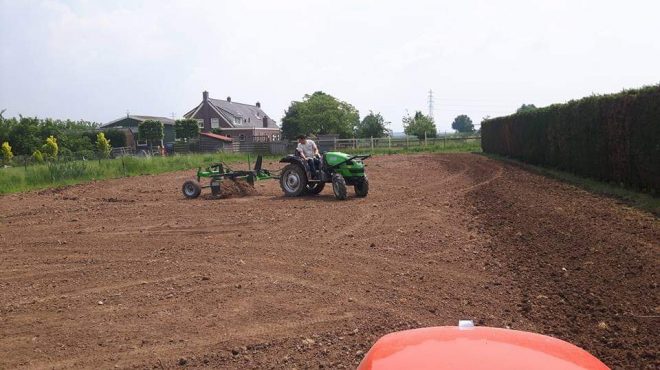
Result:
[{"x": 611, "y": 137}]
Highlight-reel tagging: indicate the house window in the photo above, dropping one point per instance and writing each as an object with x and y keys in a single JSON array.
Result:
[
  {"x": 237, "y": 120},
  {"x": 215, "y": 122},
  {"x": 200, "y": 122},
  {"x": 241, "y": 137}
]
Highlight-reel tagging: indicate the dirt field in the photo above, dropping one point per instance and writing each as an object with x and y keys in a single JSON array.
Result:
[{"x": 127, "y": 273}]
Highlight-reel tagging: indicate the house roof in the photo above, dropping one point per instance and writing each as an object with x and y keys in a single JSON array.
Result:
[
  {"x": 141, "y": 118},
  {"x": 250, "y": 116},
  {"x": 216, "y": 136}
]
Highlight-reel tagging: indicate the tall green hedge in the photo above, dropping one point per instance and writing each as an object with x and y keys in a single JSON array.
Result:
[{"x": 610, "y": 137}]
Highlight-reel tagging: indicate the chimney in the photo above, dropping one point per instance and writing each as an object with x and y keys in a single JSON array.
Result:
[
  {"x": 258, "y": 105},
  {"x": 205, "y": 96},
  {"x": 265, "y": 121},
  {"x": 229, "y": 99}
]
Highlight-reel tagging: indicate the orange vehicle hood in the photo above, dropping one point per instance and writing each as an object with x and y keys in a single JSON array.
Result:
[{"x": 475, "y": 348}]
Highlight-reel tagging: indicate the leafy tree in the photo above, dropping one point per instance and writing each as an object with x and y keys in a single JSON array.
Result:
[
  {"x": 50, "y": 148},
  {"x": 463, "y": 123},
  {"x": 372, "y": 125},
  {"x": 526, "y": 108},
  {"x": 320, "y": 113},
  {"x": 7, "y": 155},
  {"x": 151, "y": 130},
  {"x": 419, "y": 125},
  {"x": 117, "y": 137},
  {"x": 103, "y": 146},
  {"x": 186, "y": 128},
  {"x": 38, "y": 156}
]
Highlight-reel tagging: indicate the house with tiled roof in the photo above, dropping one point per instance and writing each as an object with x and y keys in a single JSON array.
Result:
[
  {"x": 130, "y": 123},
  {"x": 239, "y": 121}
]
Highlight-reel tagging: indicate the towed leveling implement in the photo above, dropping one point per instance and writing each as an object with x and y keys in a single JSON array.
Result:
[{"x": 295, "y": 179}]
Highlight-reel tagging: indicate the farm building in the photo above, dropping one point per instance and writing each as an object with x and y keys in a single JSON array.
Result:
[
  {"x": 131, "y": 123},
  {"x": 239, "y": 121},
  {"x": 209, "y": 142}
]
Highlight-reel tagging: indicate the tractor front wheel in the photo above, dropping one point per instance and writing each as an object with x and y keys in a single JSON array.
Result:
[
  {"x": 314, "y": 187},
  {"x": 362, "y": 188},
  {"x": 293, "y": 180},
  {"x": 339, "y": 186},
  {"x": 191, "y": 189}
]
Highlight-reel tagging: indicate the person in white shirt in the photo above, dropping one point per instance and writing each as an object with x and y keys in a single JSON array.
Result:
[{"x": 310, "y": 152}]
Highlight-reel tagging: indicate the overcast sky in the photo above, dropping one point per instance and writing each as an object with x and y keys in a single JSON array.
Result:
[{"x": 94, "y": 60}]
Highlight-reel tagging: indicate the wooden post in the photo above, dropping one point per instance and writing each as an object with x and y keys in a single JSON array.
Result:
[
  {"x": 389, "y": 142},
  {"x": 407, "y": 141},
  {"x": 425, "y": 139},
  {"x": 444, "y": 140},
  {"x": 372, "y": 143}
]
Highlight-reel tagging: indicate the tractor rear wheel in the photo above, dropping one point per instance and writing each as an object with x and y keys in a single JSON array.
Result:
[
  {"x": 293, "y": 180},
  {"x": 191, "y": 189},
  {"x": 339, "y": 186},
  {"x": 314, "y": 187},
  {"x": 362, "y": 188}
]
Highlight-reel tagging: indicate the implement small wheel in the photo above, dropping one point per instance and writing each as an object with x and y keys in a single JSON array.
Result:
[
  {"x": 339, "y": 186},
  {"x": 191, "y": 189},
  {"x": 362, "y": 188},
  {"x": 293, "y": 180},
  {"x": 314, "y": 187}
]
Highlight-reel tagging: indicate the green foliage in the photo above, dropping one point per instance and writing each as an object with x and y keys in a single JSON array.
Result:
[
  {"x": 103, "y": 146},
  {"x": 372, "y": 125},
  {"x": 117, "y": 137},
  {"x": 610, "y": 137},
  {"x": 6, "y": 152},
  {"x": 419, "y": 125},
  {"x": 50, "y": 148},
  {"x": 27, "y": 133},
  {"x": 526, "y": 108},
  {"x": 462, "y": 123},
  {"x": 151, "y": 131},
  {"x": 186, "y": 128},
  {"x": 320, "y": 113},
  {"x": 37, "y": 156}
]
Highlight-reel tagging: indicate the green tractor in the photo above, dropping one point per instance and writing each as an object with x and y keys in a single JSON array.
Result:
[{"x": 340, "y": 169}]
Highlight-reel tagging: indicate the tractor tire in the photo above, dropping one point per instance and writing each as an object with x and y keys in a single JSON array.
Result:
[
  {"x": 314, "y": 187},
  {"x": 339, "y": 186},
  {"x": 293, "y": 180},
  {"x": 362, "y": 188},
  {"x": 191, "y": 189}
]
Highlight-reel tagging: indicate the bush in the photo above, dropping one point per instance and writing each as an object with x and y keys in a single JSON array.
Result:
[
  {"x": 611, "y": 137},
  {"x": 103, "y": 146},
  {"x": 38, "y": 157},
  {"x": 50, "y": 149},
  {"x": 7, "y": 155}
]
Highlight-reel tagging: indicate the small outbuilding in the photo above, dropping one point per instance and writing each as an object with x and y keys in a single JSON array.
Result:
[{"x": 131, "y": 123}]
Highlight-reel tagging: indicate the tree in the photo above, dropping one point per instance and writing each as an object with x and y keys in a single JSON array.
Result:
[
  {"x": 419, "y": 125},
  {"x": 462, "y": 123},
  {"x": 103, "y": 146},
  {"x": 151, "y": 130},
  {"x": 7, "y": 155},
  {"x": 50, "y": 148},
  {"x": 526, "y": 108},
  {"x": 186, "y": 128},
  {"x": 372, "y": 125},
  {"x": 320, "y": 113}
]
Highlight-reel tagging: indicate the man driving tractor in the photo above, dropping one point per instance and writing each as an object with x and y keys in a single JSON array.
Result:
[{"x": 309, "y": 152}]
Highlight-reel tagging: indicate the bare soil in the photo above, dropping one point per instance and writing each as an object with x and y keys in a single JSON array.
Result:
[{"x": 128, "y": 273}]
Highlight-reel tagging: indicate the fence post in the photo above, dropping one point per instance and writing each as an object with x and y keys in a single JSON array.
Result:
[
  {"x": 407, "y": 141},
  {"x": 372, "y": 143},
  {"x": 389, "y": 142},
  {"x": 123, "y": 165},
  {"x": 444, "y": 140},
  {"x": 425, "y": 139}
]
